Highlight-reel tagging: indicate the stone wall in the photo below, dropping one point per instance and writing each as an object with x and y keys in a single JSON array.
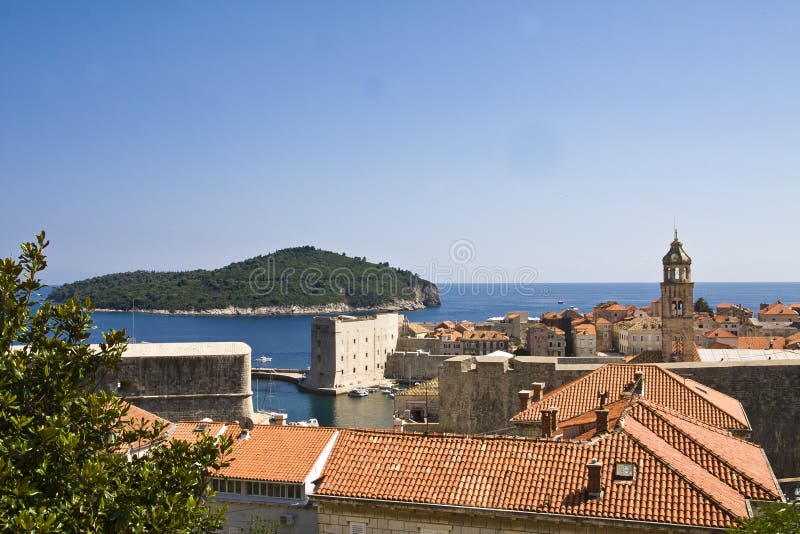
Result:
[
  {"x": 186, "y": 381},
  {"x": 335, "y": 517},
  {"x": 481, "y": 397},
  {"x": 413, "y": 366}
]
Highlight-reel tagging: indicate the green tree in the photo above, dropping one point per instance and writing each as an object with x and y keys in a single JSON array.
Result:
[
  {"x": 773, "y": 518},
  {"x": 701, "y": 305},
  {"x": 61, "y": 467}
]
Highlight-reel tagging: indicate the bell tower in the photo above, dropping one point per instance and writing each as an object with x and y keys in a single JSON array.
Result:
[{"x": 677, "y": 305}]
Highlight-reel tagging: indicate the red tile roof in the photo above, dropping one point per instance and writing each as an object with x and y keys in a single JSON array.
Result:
[
  {"x": 585, "y": 330},
  {"x": 719, "y": 332},
  {"x": 777, "y": 308},
  {"x": 661, "y": 386},
  {"x": 762, "y": 342},
  {"x": 271, "y": 452},
  {"x": 616, "y": 307},
  {"x": 534, "y": 475},
  {"x": 137, "y": 418},
  {"x": 484, "y": 335}
]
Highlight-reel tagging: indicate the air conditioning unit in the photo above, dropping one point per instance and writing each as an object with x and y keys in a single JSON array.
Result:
[{"x": 287, "y": 519}]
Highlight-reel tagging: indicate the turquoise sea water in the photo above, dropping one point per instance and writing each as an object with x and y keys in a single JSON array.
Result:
[{"x": 287, "y": 339}]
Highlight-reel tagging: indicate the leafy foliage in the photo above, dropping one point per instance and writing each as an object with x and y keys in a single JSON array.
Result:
[
  {"x": 772, "y": 518},
  {"x": 302, "y": 276},
  {"x": 62, "y": 467},
  {"x": 701, "y": 305}
]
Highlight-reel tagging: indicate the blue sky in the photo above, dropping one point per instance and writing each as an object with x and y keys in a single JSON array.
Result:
[{"x": 561, "y": 138}]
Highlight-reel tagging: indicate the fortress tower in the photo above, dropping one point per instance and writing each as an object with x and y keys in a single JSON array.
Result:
[{"x": 677, "y": 305}]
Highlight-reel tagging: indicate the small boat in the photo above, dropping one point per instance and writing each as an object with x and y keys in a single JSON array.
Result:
[
  {"x": 264, "y": 359},
  {"x": 358, "y": 392},
  {"x": 371, "y": 390},
  {"x": 391, "y": 395},
  {"x": 307, "y": 422},
  {"x": 561, "y": 301}
]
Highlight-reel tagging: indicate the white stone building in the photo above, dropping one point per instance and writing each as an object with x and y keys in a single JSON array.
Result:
[{"x": 349, "y": 352}]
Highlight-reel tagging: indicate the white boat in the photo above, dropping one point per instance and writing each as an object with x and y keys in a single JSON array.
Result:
[
  {"x": 358, "y": 392},
  {"x": 307, "y": 422},
  {"x": 264, "y": 359}
]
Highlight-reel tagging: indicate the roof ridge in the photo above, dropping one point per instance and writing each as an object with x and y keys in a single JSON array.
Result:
[
  {"x": 682, "y": 382},
  {"x": 677, "y": 469},
  {"x": 712, "y": 452}
]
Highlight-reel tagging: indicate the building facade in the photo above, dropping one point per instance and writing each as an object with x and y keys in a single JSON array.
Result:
[{"x": 349, "y": 352}]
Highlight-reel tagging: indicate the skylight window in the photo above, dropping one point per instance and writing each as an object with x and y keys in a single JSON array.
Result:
[{"x": 624, "y": 471}]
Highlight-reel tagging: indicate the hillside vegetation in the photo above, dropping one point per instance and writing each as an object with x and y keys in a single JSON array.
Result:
[{"x": 302, "y": 276}]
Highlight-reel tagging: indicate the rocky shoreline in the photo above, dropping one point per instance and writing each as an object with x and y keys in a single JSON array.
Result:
[{"x": 326, "y": 309}]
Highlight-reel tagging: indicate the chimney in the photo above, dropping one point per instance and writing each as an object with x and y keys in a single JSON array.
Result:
[
  {"x": 537, "y": 389},
  {"x": 553, "y": 420},
  {"x": 771, "y": 343},
  {"x": 524, "y": 399},
  {"x": 245, "y": 434},
  {"x": 546, "y": 431},
  {"x": 638, "y": 383},
  {"x": 595, "y": 471},
  {"x": 280, "y": 419},
  {"x": 398, "y": 424},
  {"x": 601, "y": 421}
]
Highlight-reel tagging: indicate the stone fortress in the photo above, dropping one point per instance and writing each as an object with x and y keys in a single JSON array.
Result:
[
  {"x": 349, "y": 352},
  {"x": 181, "y": 381}
]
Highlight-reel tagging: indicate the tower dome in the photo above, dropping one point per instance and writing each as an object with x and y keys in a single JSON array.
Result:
[{"x": 676, "y": 254}]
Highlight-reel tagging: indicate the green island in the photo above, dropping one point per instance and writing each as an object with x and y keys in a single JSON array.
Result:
[{"x": 289, "y": 281}]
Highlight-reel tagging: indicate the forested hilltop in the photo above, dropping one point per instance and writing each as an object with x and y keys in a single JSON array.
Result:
[{"x": 293, "y": 280}]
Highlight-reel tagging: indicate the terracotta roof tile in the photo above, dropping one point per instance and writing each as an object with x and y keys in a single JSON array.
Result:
[
  {"x": 271, "y": 452},
  {"x": 429, "y": 387},
  {"x": 661, "y": 386},
  {"x": 484, "y": 335},
  {"x": 531, "y": 475},
  {"x": 739, "y": 463},
  {"x": 719, "y": 333},
  {"x": 586, "y": 330},
  {"x": 777, "y": 308},
  {"x": 762, "y": 342}
]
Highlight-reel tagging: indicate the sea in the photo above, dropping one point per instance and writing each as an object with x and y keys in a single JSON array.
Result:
[{"x": 287, "y": 339}]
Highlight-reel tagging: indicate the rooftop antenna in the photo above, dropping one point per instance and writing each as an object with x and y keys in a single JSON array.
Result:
[{"x": 675, "y": 226}]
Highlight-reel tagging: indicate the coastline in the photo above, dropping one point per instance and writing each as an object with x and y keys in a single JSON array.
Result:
[{"x": 325, "y": 309}]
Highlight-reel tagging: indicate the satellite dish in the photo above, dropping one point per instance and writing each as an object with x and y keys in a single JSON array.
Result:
[{"x": 247, "y": 423}]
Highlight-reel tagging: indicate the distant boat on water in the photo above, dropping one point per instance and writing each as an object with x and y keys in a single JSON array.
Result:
[
  {"x": 560, "y": 300},
  {"x": 358, "y": 392},
  {"x": 264, "y": 359}
]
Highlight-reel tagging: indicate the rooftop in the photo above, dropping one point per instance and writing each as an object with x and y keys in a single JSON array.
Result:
[
  {"x": 427, "y": 388},
  {"x": 661, "y": 386},
  {"x": 544, "y": 476},
  {"x": 271, "y": 452}
]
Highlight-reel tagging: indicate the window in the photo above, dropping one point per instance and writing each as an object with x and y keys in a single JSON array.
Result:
[
  {"x": 423, "y": 530},
  {"x": 224, "y": 485},
  {"x": 358, "y": 528},
  {"x": 274, "y": 490}
]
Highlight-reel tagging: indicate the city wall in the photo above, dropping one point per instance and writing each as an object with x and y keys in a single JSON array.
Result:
[
  {"x": 481, "y": 396},
  {"x": 413, "y": 366},
  {"x": 186, "y": 381}
]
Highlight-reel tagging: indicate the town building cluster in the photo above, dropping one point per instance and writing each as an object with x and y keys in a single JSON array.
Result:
[
  {"x": 624, "y": 448},
  {"x": 629, "y": 446}
]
